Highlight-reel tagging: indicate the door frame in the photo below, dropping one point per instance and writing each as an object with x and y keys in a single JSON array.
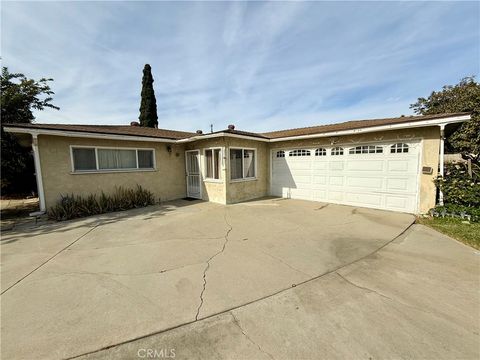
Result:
[{"x": 199, "y": 172}]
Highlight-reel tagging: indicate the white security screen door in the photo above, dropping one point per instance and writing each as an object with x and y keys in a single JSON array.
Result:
[{"x": 192, "y": 159}]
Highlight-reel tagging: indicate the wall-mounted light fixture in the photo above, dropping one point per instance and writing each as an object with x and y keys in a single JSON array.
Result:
[{"x": 169, "y": 148}]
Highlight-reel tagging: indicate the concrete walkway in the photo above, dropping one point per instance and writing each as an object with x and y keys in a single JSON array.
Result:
[{"x": 272, "y": 278}]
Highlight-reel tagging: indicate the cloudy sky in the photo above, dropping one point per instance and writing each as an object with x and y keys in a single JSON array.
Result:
[{"x": 260, "y": 66}]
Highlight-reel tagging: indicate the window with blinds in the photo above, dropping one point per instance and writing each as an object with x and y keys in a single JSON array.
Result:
[{"x": 91, "y": 159}]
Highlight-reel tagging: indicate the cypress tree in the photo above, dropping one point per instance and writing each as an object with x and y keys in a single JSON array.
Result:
[{"x": 148, "y": 105}]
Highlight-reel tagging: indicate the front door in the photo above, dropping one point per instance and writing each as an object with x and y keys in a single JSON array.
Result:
[{"x": 192, "y": 159}]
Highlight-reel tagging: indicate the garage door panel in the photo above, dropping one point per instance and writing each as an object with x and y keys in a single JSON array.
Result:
[
  {"x": 299, "y": 165},
  {"x": 302, "y": 180},
  {"x": 364, "y": 198},
  {"x": 302, "y": 194},
  {"x": 399, "y": 202},
  {"x": 336, "y": 165},
  {"x": 335, "y": 195},
  {"x": 376, "y": 180},
  {"x": 320, "y": 165},
  {"x": 320, "y": 180},
  {"x": 319, "y": 195},
  {"x": 366, "y": 182},
  {"x": 336, "y": 180},
  {"x": 405, "y": 184},
  {"x": 365, "y": 165},
  {"x": 407, "y": 165}
]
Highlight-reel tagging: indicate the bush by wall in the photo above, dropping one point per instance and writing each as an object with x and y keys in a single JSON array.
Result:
[
  {"x": 74, "y": 206},
  {"x": 458, "y": 187},
  {"x": 461, "y": 191}
]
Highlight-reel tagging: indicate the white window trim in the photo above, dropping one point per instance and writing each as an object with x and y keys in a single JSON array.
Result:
[
  {"x": 103, "y": 171},
  {"x": 353, "y": 150},
  {"x": 243, "y": 167},
  {"x": 208, "y": 179}
]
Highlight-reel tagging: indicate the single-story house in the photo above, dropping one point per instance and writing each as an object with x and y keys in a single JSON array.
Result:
[{"x": 382, "y": 163}]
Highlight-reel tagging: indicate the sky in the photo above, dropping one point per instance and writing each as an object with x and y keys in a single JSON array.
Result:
[{"x": 258, "y": 65}]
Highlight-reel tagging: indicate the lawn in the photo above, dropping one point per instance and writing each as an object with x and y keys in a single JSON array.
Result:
[{"x": 468, "y": 233}]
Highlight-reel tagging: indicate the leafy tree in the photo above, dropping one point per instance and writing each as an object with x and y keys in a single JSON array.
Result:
[
  {"x": 19, "y": 97},
  {"x": 148, "y": 106},
  {"x": 462, "y": 97}
]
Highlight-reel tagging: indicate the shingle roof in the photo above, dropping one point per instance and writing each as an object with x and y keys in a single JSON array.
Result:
[
  {"x": 238, "y": 132},
  {"x": 111, "y": 129},
  {"x": 351, "y": 125},
  {"x": 128, "y": 130}
]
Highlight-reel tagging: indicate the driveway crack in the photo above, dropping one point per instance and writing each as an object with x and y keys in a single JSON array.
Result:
[
  {"x": 382, "y": 295},
  {"x": 283, "y": 262},
  {"x": 235, "y": 320},
  {"x": 230, "y": 228}
]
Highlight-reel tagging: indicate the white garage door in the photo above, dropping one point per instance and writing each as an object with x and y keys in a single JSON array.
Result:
[{"x": 383, "y": 176}]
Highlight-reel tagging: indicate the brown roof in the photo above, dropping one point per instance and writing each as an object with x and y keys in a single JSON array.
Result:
[
  {"x": 111, "y": 129},
  {"x": 239, "y": 132},
  {"x": 351, "y": 125},
  {"x": 128, "y": 130}
]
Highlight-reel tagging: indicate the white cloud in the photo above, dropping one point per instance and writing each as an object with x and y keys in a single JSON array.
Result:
[{"x": 262, "y": 66}]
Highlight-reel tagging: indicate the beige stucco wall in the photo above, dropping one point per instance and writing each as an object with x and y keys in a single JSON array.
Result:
[
  {"x": 212, "y": 190},
  {"x": 226, "y": 191},
  {"x": 430, "y": 137},
  {"x": 242, "y": 190},
  {"x": 167, "y": 182}
]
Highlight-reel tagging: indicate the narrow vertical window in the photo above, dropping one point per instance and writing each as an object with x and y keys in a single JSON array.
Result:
[
  {"x": 212, "y": 163},
  {"x": 236, "y": 164}
]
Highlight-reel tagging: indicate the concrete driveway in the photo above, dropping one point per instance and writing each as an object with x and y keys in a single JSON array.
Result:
[{"x": 263, "y": 279}]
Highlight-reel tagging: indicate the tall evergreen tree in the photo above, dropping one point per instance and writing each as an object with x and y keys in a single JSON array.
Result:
[{"x": 148, "y": 106}]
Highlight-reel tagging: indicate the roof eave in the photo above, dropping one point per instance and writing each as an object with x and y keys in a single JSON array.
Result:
[
  {"x": 84, "y": 134},
  {"x": 424, "y": 123},
  {"x": 222, "y": 134}
]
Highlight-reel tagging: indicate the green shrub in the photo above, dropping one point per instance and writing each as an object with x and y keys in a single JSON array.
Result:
[
  {"x": 74, "y": 206},
  {"x": 458, "y": 187},
  {"x": 461, "y": 193},
  {"x": 457, "y": 211}
]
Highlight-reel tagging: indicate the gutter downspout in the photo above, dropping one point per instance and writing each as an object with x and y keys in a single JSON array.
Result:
[
  {"x": 38, "y": 174},
  {"x": 442, "y": 159}
]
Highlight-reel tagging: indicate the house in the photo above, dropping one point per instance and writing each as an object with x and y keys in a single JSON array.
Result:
[{"x": 382, "y": 163}]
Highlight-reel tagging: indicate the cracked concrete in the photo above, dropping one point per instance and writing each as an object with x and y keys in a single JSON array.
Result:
[
  {"x": 376, "y": 308},
  {"x": 109, "y": 288},
  {"x": 235, "y": 320},
  {"x": 208, "y": 263}
]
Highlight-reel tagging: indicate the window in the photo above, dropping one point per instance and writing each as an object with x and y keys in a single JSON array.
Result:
[
  {"x": 320, "y": 152},
  {"x": 299, "y": 152},
  {"x": 399, "y": 148},
  {"x": 280, "y": 154},
  {"x": 242, "y": 164},
  {"x": 145, "y": 159},
  {"x": 112, "y": 159},
  {"x": 84, "y": 159},
  {"x": 212, "y": 163},
  {"x": 366, "y": 149},
  {"x": 104, "y": 159},
  {"x": 337, "y": 151}
]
